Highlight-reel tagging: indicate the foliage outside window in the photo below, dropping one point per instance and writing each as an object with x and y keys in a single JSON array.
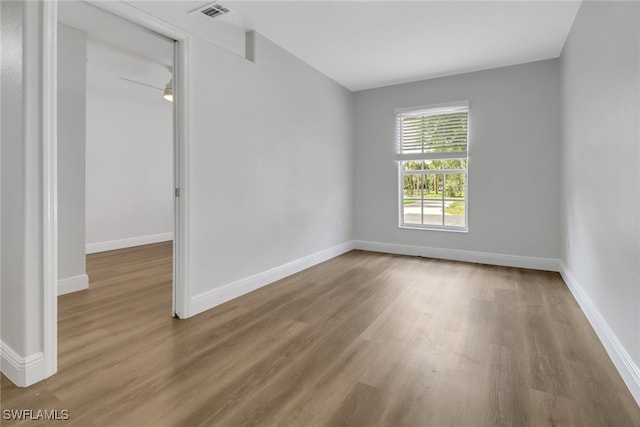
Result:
[{"x": 432, "y": 156}]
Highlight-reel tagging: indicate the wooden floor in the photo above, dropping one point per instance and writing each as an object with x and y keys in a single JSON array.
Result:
[{"x": 364, "y": 339}]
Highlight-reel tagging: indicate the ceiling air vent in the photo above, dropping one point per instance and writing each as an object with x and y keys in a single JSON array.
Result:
[{"x": 212, "y": 10}]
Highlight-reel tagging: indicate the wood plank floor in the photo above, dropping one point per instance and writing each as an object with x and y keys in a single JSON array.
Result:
[{"x": 365, "y": 339}]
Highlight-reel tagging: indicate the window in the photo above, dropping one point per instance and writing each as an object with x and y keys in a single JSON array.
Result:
[{"x": 431, "y": 151}]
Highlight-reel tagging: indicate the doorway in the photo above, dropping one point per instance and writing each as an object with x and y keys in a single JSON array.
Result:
[
  {"x": 115, "y": 138},
  {"x": 177, "y": 83}
]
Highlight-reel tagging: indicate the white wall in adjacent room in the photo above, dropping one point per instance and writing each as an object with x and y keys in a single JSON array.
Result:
[
  {"x": 514, "y": 181},
  {"x": 129, "y": 169},
  {"x": 72, "y": 58}
]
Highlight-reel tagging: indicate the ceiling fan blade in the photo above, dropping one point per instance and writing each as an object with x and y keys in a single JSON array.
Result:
[{"x": 141, "y": 83}]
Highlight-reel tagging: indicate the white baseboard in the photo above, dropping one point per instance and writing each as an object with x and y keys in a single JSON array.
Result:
[
  {"x": 547, "y": 264},
  {"x": 127, "y": 243},
  {"x": 628, "y": 370},
  {"x": 73, "y": 284},
  {"x": 210, "y": 299},
  {"x": 22, "y": 371}
]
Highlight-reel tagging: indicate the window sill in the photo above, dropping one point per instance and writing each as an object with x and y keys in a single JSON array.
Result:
[{"x": 447, "y": 229}]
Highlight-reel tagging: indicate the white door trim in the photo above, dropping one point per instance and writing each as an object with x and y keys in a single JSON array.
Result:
[{"x": 50, "y": 186}]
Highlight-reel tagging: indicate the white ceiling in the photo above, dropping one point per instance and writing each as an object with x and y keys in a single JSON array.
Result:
[{"x": 367, "y": 44}]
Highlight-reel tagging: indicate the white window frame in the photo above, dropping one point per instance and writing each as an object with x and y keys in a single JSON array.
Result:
[{"x": 433, "y": 109}]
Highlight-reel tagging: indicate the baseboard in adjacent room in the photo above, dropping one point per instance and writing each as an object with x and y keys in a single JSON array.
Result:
[
  {"x": 22, "y": 371},
  {"x": 227, "y": 292},
  {"x": 534, "y": 263},
  {"x": 127, "y": 243},
  {"x": 73, "y": 284},
  {"x": 629, "y": 371}
]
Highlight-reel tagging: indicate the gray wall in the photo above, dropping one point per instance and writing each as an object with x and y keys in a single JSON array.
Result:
[
  {"x": 72, "y": 57},
  {"x": 601, "y": 145},
  {"x": 514, "y": 161},
  {"x": 20, "y": 288},
  {"x": 270, "y": 162},
  {"x": 12, "y": 299}
]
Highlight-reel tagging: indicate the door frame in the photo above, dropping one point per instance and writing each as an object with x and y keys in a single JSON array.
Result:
[{"x": 181, "y": 290}]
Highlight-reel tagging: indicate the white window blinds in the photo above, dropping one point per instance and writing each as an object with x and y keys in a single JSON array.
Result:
[{"x": 434, "y": 133}]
